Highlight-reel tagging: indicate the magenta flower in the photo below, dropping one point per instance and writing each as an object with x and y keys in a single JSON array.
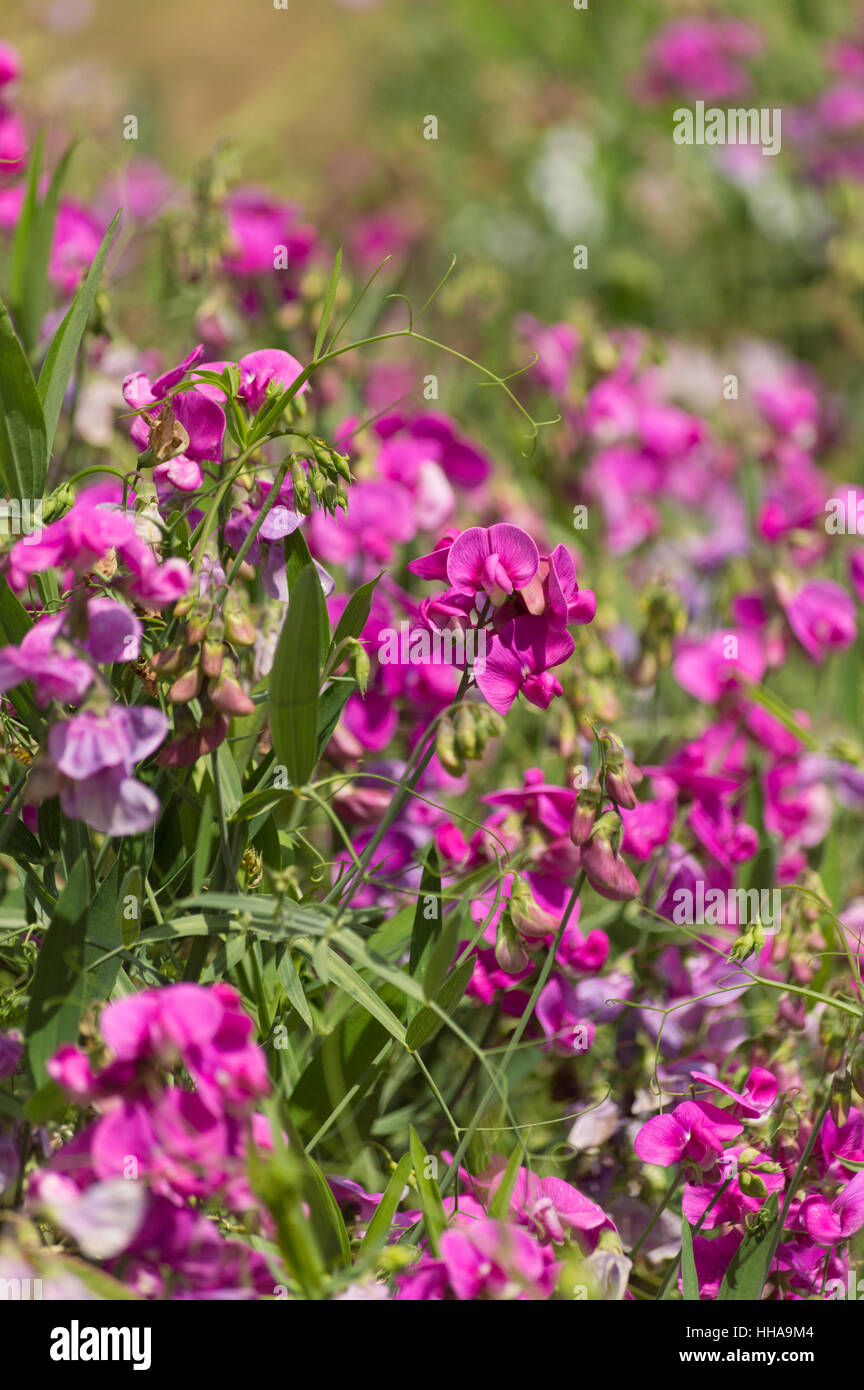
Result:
[
  {"x": 257, "y": 224},
  {"x": 694, "y": 1130},
  {"x": 487, "y": 1260},
  {"x": 830, "y": 1222},
  {"x": 498, "y": 561},
  {"x": 758, "y": 1096},
  {"x": 709, "y": 668},
  {"x": 822, "y": 616},
  {"x": 519, "y": 658}
]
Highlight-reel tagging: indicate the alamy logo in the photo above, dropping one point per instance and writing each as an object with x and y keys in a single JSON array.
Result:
[
  {"x": 743, "y": 907},
  {"x": 22, "y": 518},
  {"x": 734, "y": 127},
  {"x": 76, "y": 1343},
  {"x": 418, "y": 646}
]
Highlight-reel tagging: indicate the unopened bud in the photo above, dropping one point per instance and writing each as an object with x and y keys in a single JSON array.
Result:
[
  {"x": 841, "y": 1098},
  {"x": 509, "y": 951}
]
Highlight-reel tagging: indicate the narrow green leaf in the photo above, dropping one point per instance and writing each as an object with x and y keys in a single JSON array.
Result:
[
  {"x": 294, "y": 680},
  {"x": 286, "y": 973},
  {"x": 327, "y": 309},
  {"x": 356, "y": 614},
  {"x": 379, "y": 1227},
  {"x": 689, "y": 1277},
  {"x": 57, "y": 994},
  {"x": 500, "y": 1204},
  {"x": 60, "y": 358},
  {"x": 426, "y": 1023},
  {"x": 25, "y": 227},
  {"x": 748, "y": 1268},
  {"x": 30, "y": 305},
  {"x": 427, "y": 915},
  {"x": 427, "y": 1189},
  {"x": 23, "y": 440}
]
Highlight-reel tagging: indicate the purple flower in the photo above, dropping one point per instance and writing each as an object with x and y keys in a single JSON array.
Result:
[
  {"x": 822, "y": 616},
  {"x": 694, "y": 1130},
  {"x": 498, "y": 561},
  {"x": 519, "y": 658},
  {"x": 830, "y": 1222}
]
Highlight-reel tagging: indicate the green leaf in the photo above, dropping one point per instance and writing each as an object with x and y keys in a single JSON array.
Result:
[
  {"x": 23, "y": 439},
  {"x": 30, "y": 262},
  {"x": 60, "y": 358},
  {"x": 427, "y": 915},
  {"x": 356, "y": 614},
  {"x": 57, "y": 995},
  {"x": 441, "y": 956},
  {"x": 427, "y": 1189},
  {"x": 327, "y": 309},
  {"x": 379, "y": 1227},
  {"x": 330, "y": 706},
  {"x": 500, "y": 1204},
  {"x": 689, "y": 1277},
  {"x": 748, "y": 1268},
  {"x": 25, "y": 228},
  {"x": 294, "y": 680},
  {"x": 426, "y": 1023},
  {"x": 286, "y": 973},
  {"x": 344, "y": 975}
]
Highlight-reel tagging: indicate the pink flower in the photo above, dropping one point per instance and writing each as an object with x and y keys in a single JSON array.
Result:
[
  {"x": 827, "y": 1223},
  {"x": 694, "y": 1130},
  {"x": 487, "y": 1260},
  {"x": 257, "y": 224},
  {"x": 822, "y": 616},
  {"x": 519, "y": 658},
  {"x": 709, "y": 668},
  {"x": 498, "y": 561},
  {"x": 758, "y": 1096}
]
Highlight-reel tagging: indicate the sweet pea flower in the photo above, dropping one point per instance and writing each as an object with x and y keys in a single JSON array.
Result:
[
  {"x": 519, "y": 658},
  {"x": 708, "y": 668},
  {"x": 830, "y": 1222},
  {"x": 497, "y": 561},
  {"x": 695, "y": 1131},
  {"x": 758, "y": 1096},
  {"x": 821, "y": 614}
]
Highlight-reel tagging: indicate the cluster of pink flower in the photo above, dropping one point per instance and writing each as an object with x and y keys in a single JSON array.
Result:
[{"x": 130, "y": 1186}]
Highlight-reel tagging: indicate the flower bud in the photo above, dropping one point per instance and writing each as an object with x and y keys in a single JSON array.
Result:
[
  {"x": 212, "y": 654},
  {"x": 168, "y": 662},
  {"x": 605, "y": 870},
  {"x": 445, "y": 749},
  {"x": 529, "y": 919},
  {"x": 585, "y": 812},
  {"x": 186, "y": 687},
  {"x": 228, "y": 697},
  {"x": 841, "y": 1098},
  {"x": 751, "y": 1184},
  {"x": 466, "y": 737},
  {"x": 509, "y": 951},
  {"x": 302, "y": 494},
  {"x": 240, "y": 631}
]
